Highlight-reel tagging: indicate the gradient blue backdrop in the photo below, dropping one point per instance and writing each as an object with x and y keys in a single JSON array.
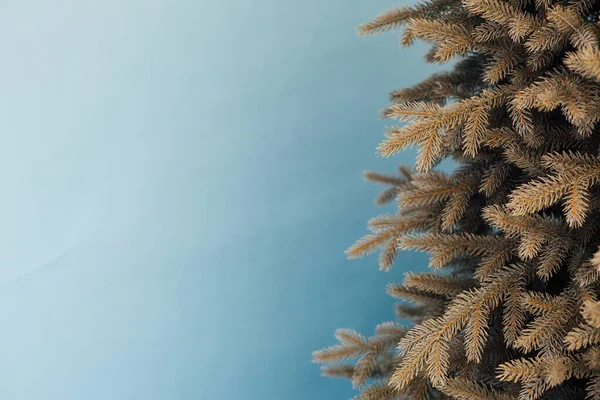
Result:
[{"x": 180, "y": 179}]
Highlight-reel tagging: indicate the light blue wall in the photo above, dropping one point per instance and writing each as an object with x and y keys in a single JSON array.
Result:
[{"x": 180, "y": 179}]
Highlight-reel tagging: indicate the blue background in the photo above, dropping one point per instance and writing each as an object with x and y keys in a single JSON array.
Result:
[{"x": 180, "y": 179}]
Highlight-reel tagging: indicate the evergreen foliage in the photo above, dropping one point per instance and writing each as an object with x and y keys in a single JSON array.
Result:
[{"x": 510, "y": 309}]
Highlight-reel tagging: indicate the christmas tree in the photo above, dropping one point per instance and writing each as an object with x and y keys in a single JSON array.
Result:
[{"x": 510, "y": 309}]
